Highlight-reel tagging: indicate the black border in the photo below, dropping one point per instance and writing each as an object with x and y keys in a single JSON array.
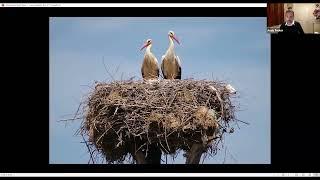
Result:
[
  {"x": 163, "y": 1},
  {"x": 293, "y": 61},
  {"x": 137, "y": 2},
  {"x": 136, "y": 12}
]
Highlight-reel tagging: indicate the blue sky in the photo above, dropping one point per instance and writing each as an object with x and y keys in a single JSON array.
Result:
[{"x": 236, "y": 50}]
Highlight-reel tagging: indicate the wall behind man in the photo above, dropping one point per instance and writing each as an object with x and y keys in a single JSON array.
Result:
[
  {"x": 275, "y": 14},
  {"x": 303, "y": 13}
]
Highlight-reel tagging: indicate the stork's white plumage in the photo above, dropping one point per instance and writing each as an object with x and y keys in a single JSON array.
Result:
[
  {"x": 149, "y": 68},
  {"x": 171, "y": 65},
  {"x": 231, "y": 89}
]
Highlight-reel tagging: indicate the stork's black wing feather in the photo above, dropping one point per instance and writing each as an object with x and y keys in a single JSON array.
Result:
[
  {"x": 162, "y": 69},
  {"x": 158, "y": 72},
  {"x": 142, "y": 72},
  {"x": 179, "y": 73}
]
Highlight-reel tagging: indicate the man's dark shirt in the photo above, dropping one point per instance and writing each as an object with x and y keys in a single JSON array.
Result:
[{"x": 295, "y": 28}]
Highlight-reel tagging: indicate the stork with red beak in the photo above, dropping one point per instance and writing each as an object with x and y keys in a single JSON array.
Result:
[
  {"x": 171, "y": 66},
  {"x": 149, "y": 69}
]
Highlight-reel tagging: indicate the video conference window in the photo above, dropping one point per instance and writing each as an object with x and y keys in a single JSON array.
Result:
[
  {"x": 134, "y": 50},
  {"x": 298, "y": 18}
]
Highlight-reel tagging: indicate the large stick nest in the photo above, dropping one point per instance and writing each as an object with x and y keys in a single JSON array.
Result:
[{"x": 171, "y": 113}]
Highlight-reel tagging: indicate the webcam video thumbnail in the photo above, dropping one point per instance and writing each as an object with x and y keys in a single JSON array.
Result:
[{"x": 293, "y": 18}]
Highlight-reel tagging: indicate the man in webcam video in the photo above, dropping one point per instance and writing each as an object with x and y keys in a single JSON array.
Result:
[{"x": 290, "y": 25}]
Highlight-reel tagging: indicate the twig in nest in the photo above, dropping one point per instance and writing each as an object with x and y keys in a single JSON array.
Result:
[
  {"x": 243, "y": 122},
  {"x": 165, "y": 136},
  {"x": 140, "y": 110},
  {"x": 166, "y": 159},
  {"x": 88, "y": 86},
  {"x": 208, "y": 99},
  {"x": 163, "y": 147},
  {"x": 221, "y": 103},
  {"x": 148, "y": 137},
  {"x": 97, "y": 141},
  {"x": 91, "y": 158},
  {"x": 225, "y": 154},
  {"x": 205, "y": 156},
  {"x": 141, "y": 147},
  {"x": 115, "y": 112},
  {"x": 116, "y": 71},
  {"x": 174, "y": 96},
  {"x": 70, "y": 119},
  {"x": 107, "y": 69}
]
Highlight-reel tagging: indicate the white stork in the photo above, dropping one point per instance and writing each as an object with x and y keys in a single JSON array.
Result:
[
  {"x": 149, "y": 68},
  {"x": 171, "y": 66}
]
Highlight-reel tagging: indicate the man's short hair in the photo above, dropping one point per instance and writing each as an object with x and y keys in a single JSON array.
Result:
[{"x": 290, "y": 11}]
